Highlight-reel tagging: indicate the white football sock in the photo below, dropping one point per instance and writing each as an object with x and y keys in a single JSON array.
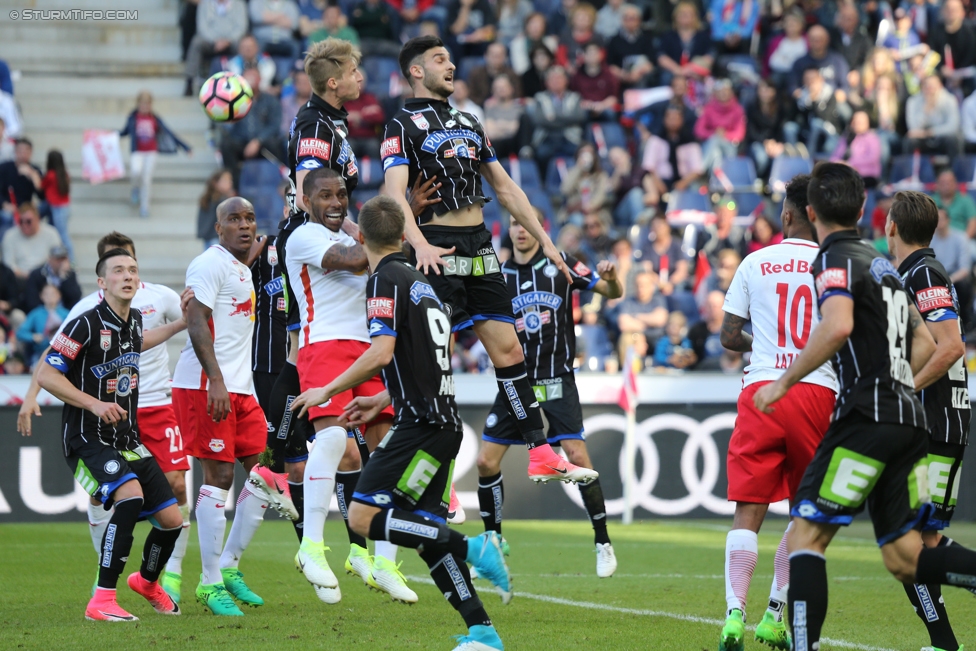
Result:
[
  {"x": 781, "y": 578},
  {"x": 211, "y": 524},
  {"x": 387, "y": 550},
  {"x": 741, "y": 554},
  {"x": 175, "y": 562},
  {"x": 98, "y": 519},
  {"x": 251, "y": 507},
  {"x": 320, "y": 472}
]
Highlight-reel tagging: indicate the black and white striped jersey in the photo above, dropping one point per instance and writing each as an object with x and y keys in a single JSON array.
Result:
[
  {"x": 401, "y": 303},
  {"x": 268, "y": 347},
  {"x": 433, "y": 138},
  {"x": 873, "y": 366},
  {"x": 317, "y": 138},
  {"x": 542, "y": 300},
  {"x": 946, "y": 400},
  {"x": 99, "y": 354}
]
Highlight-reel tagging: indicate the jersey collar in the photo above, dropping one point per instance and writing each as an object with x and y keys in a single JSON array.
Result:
[
  {"x": 327, "y": 108},
  {"x": 838, "y": 236},
  {"x": 539, "y": 255},
  {"x": 914, "y": 259},
  {"x": 422, "y": 102},
  {"x": 393, "y": 257}
]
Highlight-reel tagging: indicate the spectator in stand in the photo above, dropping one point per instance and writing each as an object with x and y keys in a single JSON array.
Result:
[
  {"x": 674, "y": 349},
  {"x": 954, "y": 39},
  {"x": 375, "y": 22},
  {"x": 220, "y": 25},
  {"x": 560, "y": 17},
  {"x": 334, "y": 25},
  {"x": 820, "y": 115},
  {"x": 220, "y": 186},
  {"x": 765, "y": 232},
  {"x": 849, "y": 38},
  {"x": 512, "y": 18},
  {"x": 10, "y": 292},
  {"x": 598, "y": 236},
  {"x": 884, "y": 109},
  {"x": 733, "y": 24},
  {"x": 597, "y": 86},
  {"x": 902, "y": 42},
  {"x": 832, "y": 66},
  {"x": 522, "y": 46},
  {"x": 19, "y": 179},
  {"x": 570, "y": 239},
  {"x": 6, "y": 143},
  {"x": 860, "y": 147},
  {"x": 6, "y": 81},
  {"x": 41, "y": 324},
  {"x": 27, "y": 247},
  {"x": 661, "y": 253},
  {"x": 609, "y": 19},
  {"x": 533, "y": 80},
  {"x": 273, "y": 23},
  {"x": 505, "y": 122},
  {"x": 577, "y": 36},
  {"x": 557, "y": 117},
  {"x": 149, "y": 136},
  {"x": 56, "y": 186},
  {"x": 471, "y": 26},
  {"x": 259, "y": 129},
  {"x": 652, "y": 117},
  {"x": 674, "y": 159},
  {"x": 461, "y": 100},
  {"x": 300, "y": 93},
  {"x": 56, "y": 272},
  {"x": 704, "y": 335},
  {"x": 933, "y": 120},
  {"x": 414, "y": 12},
  {"x": 721, "y": 126},
  {"x": 764, "y": 127},
  {"x": 630, "y": 52},
  {"x": 720, "y": 279},
  {"x": 628, "y": 183},
  {"x": 366, "y": 121},
  {"x": 967, "y": 116},
  {"x": 586, "y": 188},
  {"x": 310, "y": 15},
  {"x": 954, "y": 250},
  {"x": 724, "y": 234},
  {"x": 686, "y": 49},
  {"x": 959, "y": 205},
  {"x": 481, "y": 78},
  {"x": 250, "y": 57},
  {"x": 646, "y": 311},
  {"x": 784, "y": 50}
]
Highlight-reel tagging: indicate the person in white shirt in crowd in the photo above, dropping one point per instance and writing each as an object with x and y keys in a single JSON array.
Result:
[{"x": 27, "y": 247}]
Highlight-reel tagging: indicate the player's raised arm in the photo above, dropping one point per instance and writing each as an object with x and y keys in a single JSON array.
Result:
[
  {"x": 511, "y": 196},
  {"x": 608, "y": 285}
]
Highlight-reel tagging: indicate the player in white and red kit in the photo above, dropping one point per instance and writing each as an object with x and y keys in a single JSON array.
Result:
[
  {"x": 768, "y": 453},
  {"x": 328, "y": 272},
  {"x": 158, "y": 428},
  {"x": 213, "y": 393}
]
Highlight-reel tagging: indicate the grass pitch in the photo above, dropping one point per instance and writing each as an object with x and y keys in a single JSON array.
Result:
[{"x": 668, "y": 593}]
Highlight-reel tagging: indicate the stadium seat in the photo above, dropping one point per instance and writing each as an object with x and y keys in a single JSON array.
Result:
[
  {"x": 378, "y": 72},
  {"x": 362, "y": 195},
  {"x": 556, "y": 173},
  {"x": 910, "y": 166},
  {"x": 736, "y": 174},
  {"x": 965, "y": 168},
  {"x": 539, "y": 199},
  {"x": 466, "y": 65},
  {"x": 870, "y": 200},
  {"x": 689, "y": 200},
  {"x": 684, "y": 302},
  {"x": 493, "y": 211},
  {"x": 524, "y": 171},
  {"x": 260, "y": 172},
  {"x": 606, "y": 135},
  {"x": 785, "y": 168},
  {"x": 370, "y": 173},
  {"x": 749, "y": 203}
]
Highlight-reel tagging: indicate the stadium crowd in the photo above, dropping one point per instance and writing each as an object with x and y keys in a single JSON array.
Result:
[{"x": 657, "y": 134}]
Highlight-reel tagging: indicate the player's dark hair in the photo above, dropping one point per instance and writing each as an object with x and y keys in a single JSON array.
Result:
[
  {"x": 114, "y": 240},
  {"x": 308, "y": 183},
  {"x": 836, "y": 193},
  {"x": 796, "y": 198},
  {"x": 916, "y": 216},
  {"x": 104, "y": 258},
  {"x": 416, "y": 47},
  {"x": 381, "y": 222}
]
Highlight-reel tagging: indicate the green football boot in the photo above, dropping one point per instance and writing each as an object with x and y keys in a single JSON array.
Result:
[
  {"x": 217, "y": 600},
  {"x": 733, "y": 633},
  {"x": 234, "y": 582},
  {"x": 172, "y": 582},
  {"x": 772, "y": 632}
]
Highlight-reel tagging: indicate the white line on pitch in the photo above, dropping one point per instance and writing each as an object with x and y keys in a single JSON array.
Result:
[
  {"x": 702, "y": 577},
  {"x": 589, "y": 605}
]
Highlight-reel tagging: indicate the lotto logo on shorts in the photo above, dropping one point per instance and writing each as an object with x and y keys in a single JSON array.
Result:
[
  {"x": 390, "y": 146},
  {"x": 831, "y": 279},
  {"x": 66, "y": 346},
  {"x": 217, "y": 445},
  {"x": 314, "y": 147},
  {"x": 933, "y": 298},
  {"x": 379, "y": 308}
]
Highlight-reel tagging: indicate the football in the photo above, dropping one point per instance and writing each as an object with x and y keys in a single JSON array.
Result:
[{"x": 226, "y": 97}]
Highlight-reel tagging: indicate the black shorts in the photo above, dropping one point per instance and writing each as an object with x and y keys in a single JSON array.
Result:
[
  {"x": 559, "y": 399},
  {"x": 471, "y": 286},
  {"x": 945, "y": 466},
  {"x": 411, "y": 469},
  {"x": 296, "y": 431},
  {"x": 101, "y": 469},
  {"x": 863, "y": 462},
  {"x": 263, "y": 384}
]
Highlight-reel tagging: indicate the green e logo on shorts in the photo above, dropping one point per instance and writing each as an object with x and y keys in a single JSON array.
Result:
[
  {"x": 850, "y": 477},
  {"x": 418, "y": 475},
  {"x": 84, "y": 477},
  {"x": 940, "y": 470}
]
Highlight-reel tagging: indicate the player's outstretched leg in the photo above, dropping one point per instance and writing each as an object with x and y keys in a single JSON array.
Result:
[
  {"x": 251, "y": 505},
  {"x": 274, "y": 489},
  {"x": 491, "y": 499},
  {"x": 596, "y": 507},
  {"x": 320, "y": 480},
  {"x": 741, "y": 554},
  {"x": 156, "y": 553},
  {"x": 455, "y": 512},
  {"x": 172, "y": 578},
  {"x": 358, "y": 563},
  {"x": 929, "y": 605},
  {"x": 115, "y": 547},
  {"x": 211, "y": 525},
  {"x": 98, "y": 519},
  {"x": 772, "y": 629}
]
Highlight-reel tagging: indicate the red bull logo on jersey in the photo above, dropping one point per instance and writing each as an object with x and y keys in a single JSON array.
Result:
[
  {"x": 793, "y": 266},
  {"x": 244, "y": 308},
  {"x": 147, "y": 311}
]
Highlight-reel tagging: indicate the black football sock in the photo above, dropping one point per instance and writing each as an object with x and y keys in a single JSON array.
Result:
[
  {"x": 808, "y": 599},
  {"x": 491, "y": 496},
  {"x": 361, "y": 444},
  {"x": 928, "y": 604},
  {"x": 157, "y": 550},
  {"x": 408, "y": 529},
  {"x": 596, "y": 508},
  {"x": 945, "y": 541},
  {"x": 951, "y": 564},
  {"x": 117, "y": 541},
  {"x": 298, "y": 499},
  {"x": 345, "y": 486},
  {"x": 453, "y": 579},
  {"x": 286, "y": 388},
  {"x": 513, "y": 383}
]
